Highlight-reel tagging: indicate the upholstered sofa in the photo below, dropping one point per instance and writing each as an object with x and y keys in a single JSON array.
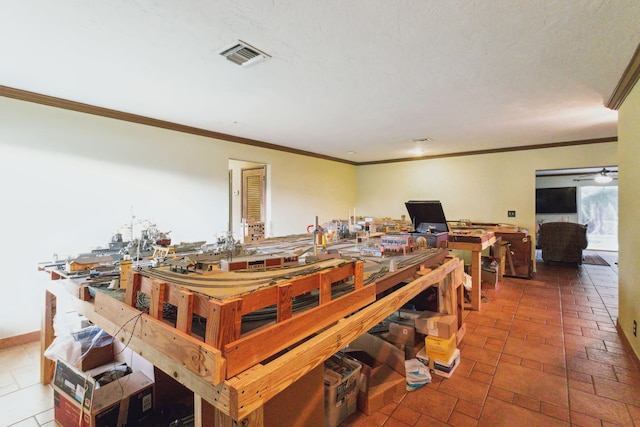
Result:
[{"x": 562, "y": 241}]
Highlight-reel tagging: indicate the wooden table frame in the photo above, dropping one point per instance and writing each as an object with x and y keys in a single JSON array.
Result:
[
  {"x": 476, "y": 249},
  {"x": 237, "y": 400}
]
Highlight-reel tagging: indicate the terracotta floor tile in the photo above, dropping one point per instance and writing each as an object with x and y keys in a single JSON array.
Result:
[
  {"x": 462, "y": 420},
  {"x": 614, "y": 359},
  {"x": 542, "y": 352},
  {"x": 431, "y": 402},
  {"x": 464, "y": 368},
  {"x": 359, "y": 419},
  {"x": 468, "y": 408},
  {"x": 406, "y": 415},
  {"x": 580, "y": 322},
  {"x": 488, "y": 357},
  {"x": 617, "y": 391},
  {"x": 580, "y": 376},
  {"x": 554, "y": 370},
  {"x": 487, "y": 369},
  {"x": 481, "y": 377},
  {"x": 555, "y": 411},
  {"x": 536, "y": 313},
  {"x": 491, "y": 332},
  {"x": 582, "y": 386},
  {"x": 627, "y": 376},
  {"x": 392, "y": 422},
  {"x": 475, "y": 340},
  {"x": 532, "y": 383},
  {"x": 532, "y": 364},
  {"x": 501, "y": 394},
  {"x": 600, "y": 334},
  {"x": 573, "y": 340},
  {"x": 634, "y": 411},
  {"x": 528, "y": 328},
  {"x": 498, "y": 413},
  {"x": 599, "y": 407},
  {"x": 526, "y": 402},
  {"x": 507, "y": 358},
  {"x": 428, "y": 421},
  {"x": 465, "y": 388},
  {"x": 591, "y": 367},
  {"x": 480, "y": 320},
  {"x": 582, "y": 420}
]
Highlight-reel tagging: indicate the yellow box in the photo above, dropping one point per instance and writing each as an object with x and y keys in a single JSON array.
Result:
[{"x": 440, "y": 348}]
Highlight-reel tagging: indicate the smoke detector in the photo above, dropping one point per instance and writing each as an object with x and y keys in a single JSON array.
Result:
[{"x": 243, "y": 54}]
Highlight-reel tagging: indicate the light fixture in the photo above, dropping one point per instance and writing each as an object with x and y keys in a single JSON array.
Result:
[
  {"x": 603, "y": 177},
  {"x": 418, "y": 140}
]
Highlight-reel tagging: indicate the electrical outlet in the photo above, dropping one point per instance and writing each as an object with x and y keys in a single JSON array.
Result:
[
  {"x": 635, "y": 328},
  {"x": 511, "y": 214}
]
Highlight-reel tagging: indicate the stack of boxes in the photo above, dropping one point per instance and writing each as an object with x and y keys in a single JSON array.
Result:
[{"x": 428, "y": 336}]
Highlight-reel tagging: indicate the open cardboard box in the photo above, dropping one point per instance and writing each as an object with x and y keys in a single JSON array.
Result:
[
  {"x": 80, "y": 401},
  {"x": 382, "y": 376}
]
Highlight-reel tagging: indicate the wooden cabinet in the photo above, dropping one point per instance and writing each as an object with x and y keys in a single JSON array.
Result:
[{"x": 518, "y": 254}]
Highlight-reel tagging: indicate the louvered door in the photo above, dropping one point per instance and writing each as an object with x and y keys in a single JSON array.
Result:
[{"x": 253, "y": 194}]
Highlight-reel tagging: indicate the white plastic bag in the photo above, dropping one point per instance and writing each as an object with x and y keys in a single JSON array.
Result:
[{"x": 417, "y": 374}]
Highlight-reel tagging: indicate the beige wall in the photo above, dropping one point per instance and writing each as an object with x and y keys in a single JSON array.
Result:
[
  {"x": 69, "y": 180},
  {"x": 629, "y": 208},
  {"x": 481, "y": 187}
]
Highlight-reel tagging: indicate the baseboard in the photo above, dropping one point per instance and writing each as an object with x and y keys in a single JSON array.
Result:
[
  {"x": 19, "y": 340},
  {"x": 627, "y": 344}
]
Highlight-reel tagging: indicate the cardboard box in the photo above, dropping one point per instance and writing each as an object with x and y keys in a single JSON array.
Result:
[
  {"x": 440, "y": 348},
  {"x": 440, "y": 367},
  {"x": 410, "y": 349},
  {"x": 383, "y": 374},
  {"x": 341, "y": 376},
  {"x": 402, "y": 334},
  {"x": 78, "y": 395},
  {"x": 489, "y": 276},
  {"x": 299, "y": 405},
  {"x": 435, "y": 324}
]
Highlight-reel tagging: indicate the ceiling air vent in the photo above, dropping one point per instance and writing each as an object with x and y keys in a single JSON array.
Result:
[{"x": 243, "y": 54}]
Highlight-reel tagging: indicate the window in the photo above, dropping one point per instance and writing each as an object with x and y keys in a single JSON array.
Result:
[{"x": 599, "y": 211}]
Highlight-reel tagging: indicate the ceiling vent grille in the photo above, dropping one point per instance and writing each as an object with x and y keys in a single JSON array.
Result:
[{"x": 243, "y": 54}]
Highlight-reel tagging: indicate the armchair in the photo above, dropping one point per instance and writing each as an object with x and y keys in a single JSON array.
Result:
[{"x": 562, "y": 241}]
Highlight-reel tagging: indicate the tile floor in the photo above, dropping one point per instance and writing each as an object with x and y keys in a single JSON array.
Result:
[
  {"x": 24, "y": 402},
  {"x": 541, "y": 352}
]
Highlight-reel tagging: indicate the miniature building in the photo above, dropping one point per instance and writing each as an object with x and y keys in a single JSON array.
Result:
[
  {"x": 396, "y": 243},
  {"x": 258, "y": 263},
  {"x": 86, "y": 263},
  {"x": 207, "y": 262},
  {"x": 184, "y": 265}
]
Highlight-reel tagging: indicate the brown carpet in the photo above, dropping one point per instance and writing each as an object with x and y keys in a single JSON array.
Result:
[{"x": 594, "y": 259}]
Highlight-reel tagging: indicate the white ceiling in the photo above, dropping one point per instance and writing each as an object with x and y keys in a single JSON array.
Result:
[{"x": 366, "y": 76}]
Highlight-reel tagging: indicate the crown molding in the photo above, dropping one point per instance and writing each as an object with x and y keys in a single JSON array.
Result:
[
  {"x": 66, "y": 104},
  {"x": 51, "y": 101},
  {"x": 627, "y": 82},
  {"x": 496, "y": 150}
]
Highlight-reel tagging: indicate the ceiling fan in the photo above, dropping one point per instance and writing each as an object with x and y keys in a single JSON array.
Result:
[{"x": 603, "y": 176}]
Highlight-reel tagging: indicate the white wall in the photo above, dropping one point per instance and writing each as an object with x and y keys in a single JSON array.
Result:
[
  {"x": 480, "y": 187},
  {"x": 69, "y": 181},
  {"x": 629, "y": 212}
]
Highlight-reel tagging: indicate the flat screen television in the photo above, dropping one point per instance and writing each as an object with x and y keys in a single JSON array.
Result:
[{"x": 558, "y": 200}]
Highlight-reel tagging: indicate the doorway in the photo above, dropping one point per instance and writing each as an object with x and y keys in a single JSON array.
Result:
[
  {"x": 595, "y": 202},
  {"x": 249, "y": 196}
]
